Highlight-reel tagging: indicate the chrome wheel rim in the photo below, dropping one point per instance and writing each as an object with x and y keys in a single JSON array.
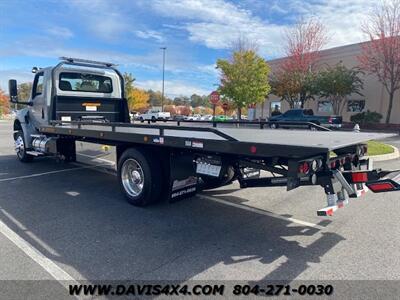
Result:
[
  {"x": 19, "y": 146},
  {"x": 132, "y": 177}
]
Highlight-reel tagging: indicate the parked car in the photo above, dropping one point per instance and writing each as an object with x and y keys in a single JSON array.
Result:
[
  {"x": 193, "y": 117},
  {"x": 206, "y": 118},
  {"x": 154, "y": 115},
  {"x": 134, "y": 115},
  {"x": 179, "y": 117},
  {"x": 221, "y": 118},
  {"x": 304, "y": 115}
]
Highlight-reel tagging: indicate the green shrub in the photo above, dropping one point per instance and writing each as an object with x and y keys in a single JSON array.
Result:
[{"x": 368, "y": 117}]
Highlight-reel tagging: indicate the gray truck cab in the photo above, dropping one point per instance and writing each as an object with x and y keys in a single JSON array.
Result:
[{"x": 73, "y": 90}]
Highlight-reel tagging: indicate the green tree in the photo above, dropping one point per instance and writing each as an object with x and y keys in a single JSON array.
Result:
[
  {"x": 181, "y": 100},
  {"x": 24, "y": 91},
  {"x": 154, "y": 98},
  {"x": 338, "y": 82},
  {"x": 197, "y": 100},
  {"x": 294, "y": 87},
  {"x": 244, "y": 78},
  {"x": 128, "y": 86}
]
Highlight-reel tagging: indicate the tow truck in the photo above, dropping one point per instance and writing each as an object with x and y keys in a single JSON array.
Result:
[{"x": 83, "y": 100}]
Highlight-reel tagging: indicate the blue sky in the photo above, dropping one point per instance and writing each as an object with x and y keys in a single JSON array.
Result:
[{"x": 130, "y": 33}]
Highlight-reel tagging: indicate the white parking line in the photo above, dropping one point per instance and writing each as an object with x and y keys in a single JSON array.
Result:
[
  {"x": 259, "y": 211},
  {"x": 50, "y": 172},
  {"x": 48, "y": 265}
]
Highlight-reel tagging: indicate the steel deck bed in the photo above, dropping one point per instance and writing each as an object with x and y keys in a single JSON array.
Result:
[{"x": 267, "y": 142}]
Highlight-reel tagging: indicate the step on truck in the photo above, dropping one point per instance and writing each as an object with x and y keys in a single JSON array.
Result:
[{"x": 83, "y": 100}]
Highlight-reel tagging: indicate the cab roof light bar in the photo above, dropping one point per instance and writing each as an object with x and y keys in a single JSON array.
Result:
[{"x": 86, "y": 61}]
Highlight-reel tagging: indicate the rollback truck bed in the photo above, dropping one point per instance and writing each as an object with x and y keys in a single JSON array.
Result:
[{"x": 172, "y": 162}]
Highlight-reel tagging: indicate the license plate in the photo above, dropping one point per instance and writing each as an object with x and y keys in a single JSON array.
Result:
[{"x": 208, "y": 169}]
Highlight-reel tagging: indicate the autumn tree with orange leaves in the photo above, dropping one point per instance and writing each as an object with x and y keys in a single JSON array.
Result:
[
  {"x": 4, "y": 103},
  {"x": 138, "y": 100},
  {"x": 381, "y": 55}
]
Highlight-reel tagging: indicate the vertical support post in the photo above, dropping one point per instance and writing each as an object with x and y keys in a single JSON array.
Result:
[
  {"x": 214, "y": 122},
  {"x": 163, "y": 77}
]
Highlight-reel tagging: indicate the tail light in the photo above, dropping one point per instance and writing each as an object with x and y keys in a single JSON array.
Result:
[
  {"x": 330, "y": 120},
  {"x": 359, "y": 177},
  {"x": 304, "y": 168}
]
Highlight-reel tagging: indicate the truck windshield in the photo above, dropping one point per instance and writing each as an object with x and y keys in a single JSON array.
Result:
[{"x": 81, "y": 82}]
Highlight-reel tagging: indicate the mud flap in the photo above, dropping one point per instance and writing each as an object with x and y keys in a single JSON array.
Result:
[{"x": 183, "y": 178}]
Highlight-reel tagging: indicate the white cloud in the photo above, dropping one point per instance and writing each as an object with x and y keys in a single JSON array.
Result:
[
  {"x": 102, "y": 17},
  {"x": 217, "y": 23},
  {"x": 61, "y": 32},
  {"x": 343, "y": 19},
  {"x": 209, "y": 69},
  {"x": 149, "y": 34},
  {"x": 172, "y": 88}
]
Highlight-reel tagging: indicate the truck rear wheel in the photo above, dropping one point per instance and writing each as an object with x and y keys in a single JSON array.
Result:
[
  {"x": 20, "y": 147},
  {"x": 139, "y": 177}
]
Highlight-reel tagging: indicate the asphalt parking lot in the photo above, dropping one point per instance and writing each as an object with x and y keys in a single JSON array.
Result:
[{"x": 77, "y": 223}]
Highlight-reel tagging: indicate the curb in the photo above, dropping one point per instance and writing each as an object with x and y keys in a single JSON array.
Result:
[{"x": 388, "y": 156}]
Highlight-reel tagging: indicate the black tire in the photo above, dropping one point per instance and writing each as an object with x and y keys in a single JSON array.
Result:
[
  {"x": 141, "y": 120},
  {"x": 152, "y": 184},
  {"x": 21, "y": 154},
  {"x": 153, "y": 119},
  {"x": 274, "y": 126},
  {"x": 214, "y": 182}
]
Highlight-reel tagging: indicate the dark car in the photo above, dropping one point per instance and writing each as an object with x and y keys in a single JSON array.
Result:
[
  {"x": 179, "y": 118},
  {"x": 302, "y": 116}
]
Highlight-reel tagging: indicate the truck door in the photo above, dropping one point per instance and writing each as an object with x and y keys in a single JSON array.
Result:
[{"x": 38, "y": 109}]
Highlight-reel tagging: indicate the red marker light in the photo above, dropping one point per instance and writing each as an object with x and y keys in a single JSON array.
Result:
[
  {"x": 304, "y": 168},
  {"x": 359, "y": 177},
  {"x": 253, "y": 149},
  {"x": 380, "y": 187}
]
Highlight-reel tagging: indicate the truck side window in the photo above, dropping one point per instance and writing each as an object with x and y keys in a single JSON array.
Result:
[{"x": 38, "y": 85}]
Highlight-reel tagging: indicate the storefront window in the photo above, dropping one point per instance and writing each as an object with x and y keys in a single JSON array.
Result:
[
  {"x": 276, "y": 108},
  {"x": 325, "y": 106},
  {"x": 355, "y": 105}
]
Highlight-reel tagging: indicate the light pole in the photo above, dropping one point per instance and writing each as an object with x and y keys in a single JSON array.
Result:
[{"x": 163, "y": 76}]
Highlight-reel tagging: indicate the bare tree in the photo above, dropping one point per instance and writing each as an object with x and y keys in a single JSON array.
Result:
[
  {"x": 243, "y": 44},
  {"x": 381, "y": 55}
]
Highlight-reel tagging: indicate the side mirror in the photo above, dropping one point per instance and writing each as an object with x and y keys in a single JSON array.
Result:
[{"x": 13, "y": 90}]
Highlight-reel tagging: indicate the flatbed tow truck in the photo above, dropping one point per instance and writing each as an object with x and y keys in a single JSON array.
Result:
[{"x": 83, "y": 100}]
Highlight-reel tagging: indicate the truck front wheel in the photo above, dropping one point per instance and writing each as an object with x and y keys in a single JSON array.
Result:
[
  {"x": 139, "y": 177},
  {"x": 20, "y": 147}
]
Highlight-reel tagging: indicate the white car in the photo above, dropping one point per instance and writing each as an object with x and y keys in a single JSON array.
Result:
[
  {"x": 206, "y": 118},
  {"x": 154, "y": 115},
  {"x": 193, "y": 118},
  {"x": 134, "y": 115}
]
